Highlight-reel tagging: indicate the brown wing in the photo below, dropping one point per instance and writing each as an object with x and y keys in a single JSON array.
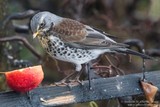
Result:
[
  {"x": 71, "y": 30},
  {"x": 79, "y": 35}
]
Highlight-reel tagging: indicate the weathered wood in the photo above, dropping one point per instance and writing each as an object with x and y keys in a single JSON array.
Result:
[{"x": 101, "y": 89}]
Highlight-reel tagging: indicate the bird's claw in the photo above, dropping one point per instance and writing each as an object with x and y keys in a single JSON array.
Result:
[
  {"x": 76, "y": 81},
  {"x": 61, "y": 83}
]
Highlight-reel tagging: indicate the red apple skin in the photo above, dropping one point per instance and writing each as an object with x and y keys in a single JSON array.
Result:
[{"x": 25, "y": 79}]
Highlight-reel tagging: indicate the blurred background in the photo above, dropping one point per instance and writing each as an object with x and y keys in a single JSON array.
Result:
[{"x": 137, "y": 20}]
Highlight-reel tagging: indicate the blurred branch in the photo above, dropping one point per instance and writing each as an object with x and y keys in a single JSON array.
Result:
[
  {"x": 17, "y": 16},
  {"x": 21, "y": 28},
  {"x": 24, "y": 41},
  {"x": 140, "y": 46},
  {"x": 135, "y": 43},
  {"x": 153, "y": 52}
]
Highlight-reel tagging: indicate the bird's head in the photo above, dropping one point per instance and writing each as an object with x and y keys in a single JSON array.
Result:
[{"x": 42, "y": 22}]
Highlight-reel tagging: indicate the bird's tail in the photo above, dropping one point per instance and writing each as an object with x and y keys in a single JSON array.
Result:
[{"x": 132, "y": 52}]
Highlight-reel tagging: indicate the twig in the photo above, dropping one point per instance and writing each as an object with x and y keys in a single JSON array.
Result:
[
  {"x": 24, "y": 41},
  {"x": 114, "y": 66}
]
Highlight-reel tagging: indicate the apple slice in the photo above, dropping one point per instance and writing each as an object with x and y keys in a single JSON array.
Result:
[{"x": 26, "y": 79}]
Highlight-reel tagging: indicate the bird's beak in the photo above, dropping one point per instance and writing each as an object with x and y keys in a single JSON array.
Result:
[{"x": 36, "y": 34}]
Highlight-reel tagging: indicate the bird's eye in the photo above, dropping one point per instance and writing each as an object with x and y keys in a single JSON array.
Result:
[{"x": 41, "y": 25}]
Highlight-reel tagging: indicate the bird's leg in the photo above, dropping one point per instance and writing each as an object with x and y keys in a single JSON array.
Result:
[
  {"x": 79, "y": 72},
  {"x": 64, "y": 81},
  {"x": 89, "y": 76},
  {"x": 143, "y": 67},
  {"x": 88, "y": 68},
  {"x": 77, "y": 78},
  {"x": 143, "y": 70}
]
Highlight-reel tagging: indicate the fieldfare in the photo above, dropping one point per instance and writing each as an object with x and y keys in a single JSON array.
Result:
[{"x": 71, "y": 41}]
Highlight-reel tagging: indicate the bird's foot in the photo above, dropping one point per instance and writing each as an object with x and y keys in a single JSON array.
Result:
[
  {"x": 65, "y": 81},
  {"x": 61, "y": 83},
  {"x": 76, "y": 81}
]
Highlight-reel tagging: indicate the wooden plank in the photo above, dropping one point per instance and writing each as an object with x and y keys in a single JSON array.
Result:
[{"x": 61, "y": 95}]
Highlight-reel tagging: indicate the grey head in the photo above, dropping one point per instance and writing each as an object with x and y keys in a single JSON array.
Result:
[{"x": 42, "y": 21}]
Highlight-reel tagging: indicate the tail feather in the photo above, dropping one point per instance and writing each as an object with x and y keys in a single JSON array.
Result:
[{"x": 132, "y": 52}]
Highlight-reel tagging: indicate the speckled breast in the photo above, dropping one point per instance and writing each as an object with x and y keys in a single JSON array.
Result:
[{"x": 59, "y": 50}]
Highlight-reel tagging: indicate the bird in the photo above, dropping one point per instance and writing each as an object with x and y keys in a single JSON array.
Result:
[{"x": 71, "y": 41}]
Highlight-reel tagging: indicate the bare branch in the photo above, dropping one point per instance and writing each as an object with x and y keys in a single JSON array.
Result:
[
  {"x": 153, "y": 52},
  {"x": 21, "y": 28},
  {"x": 17, "y": 16},
  {"x": 24, "y": 41},
  {"x": 135, "y": 43}
]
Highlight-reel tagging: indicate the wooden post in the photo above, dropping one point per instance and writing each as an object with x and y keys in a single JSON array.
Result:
[{"x": 103, "y": 88}]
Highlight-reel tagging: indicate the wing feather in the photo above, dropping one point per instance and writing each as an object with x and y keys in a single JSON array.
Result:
[{"x": 79, "y": 35}]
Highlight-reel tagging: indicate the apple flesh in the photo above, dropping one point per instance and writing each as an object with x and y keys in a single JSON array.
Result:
[{"x": 25, "y": 79}]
